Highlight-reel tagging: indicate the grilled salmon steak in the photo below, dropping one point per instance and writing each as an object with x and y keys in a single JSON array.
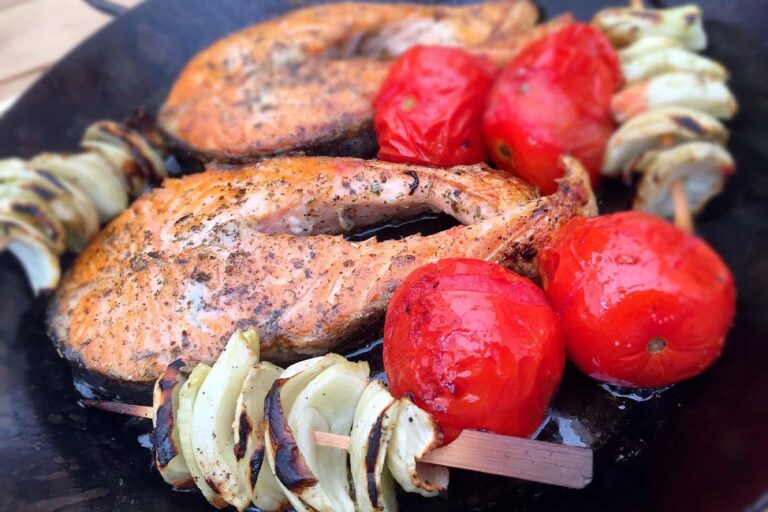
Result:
[
  {"x": 262, "y": 245},
  {"x": 306, "y": 81}
]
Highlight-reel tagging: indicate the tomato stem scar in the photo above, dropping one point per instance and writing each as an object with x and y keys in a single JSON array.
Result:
[{"x": 657, "y": 345}]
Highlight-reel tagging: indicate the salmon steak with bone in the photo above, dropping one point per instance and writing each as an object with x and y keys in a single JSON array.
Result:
[
  {"x": 193, "y": 260},
  {"x": 305, "y": 82}
]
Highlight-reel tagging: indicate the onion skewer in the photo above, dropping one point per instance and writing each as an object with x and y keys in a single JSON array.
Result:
[
  {"x": 683, "y": 217},
  {"x": 484, "y": 452},
  {"x": 245, "y": 431},
  {"x": 669, "y": 110}
]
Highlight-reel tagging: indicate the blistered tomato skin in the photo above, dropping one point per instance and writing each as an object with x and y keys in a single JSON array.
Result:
[
  {"x": 430, "y": 108},
  {"x": 554, "y": 98},
  {"x": 476, "y": 345},
  {"x": 531, "y": 121},
  {"x": 642, "y": 303}
]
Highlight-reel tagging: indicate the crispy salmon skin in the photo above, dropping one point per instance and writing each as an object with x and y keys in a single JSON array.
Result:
[
  {"x": 262, "y": 245},
  {"x": 306, "y": 81}
]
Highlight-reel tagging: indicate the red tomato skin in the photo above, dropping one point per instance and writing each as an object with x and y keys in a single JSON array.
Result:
[
  {"x": 583, "y": 58},
  {"x": 531, "y": 121},
  {"x": 429, "y": 109},
  {"x": 643, "y": 304},
  {"x": 554, "y": 98},
  {"x": 476, "y": 345}
]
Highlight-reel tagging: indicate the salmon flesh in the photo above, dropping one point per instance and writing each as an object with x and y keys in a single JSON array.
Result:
[
  {"x": 262, "y": 245},
  {"x": 305, "y": 82}
]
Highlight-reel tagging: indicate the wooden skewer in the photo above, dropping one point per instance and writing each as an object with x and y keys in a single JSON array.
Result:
[
  {"x": 139, "y": 411},
  {"x": 537, "y": 461},
  {"x": 683, "y": 218}
]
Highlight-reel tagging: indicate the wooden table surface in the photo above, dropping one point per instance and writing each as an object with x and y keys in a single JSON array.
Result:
[{"x": 34, "y": 34}]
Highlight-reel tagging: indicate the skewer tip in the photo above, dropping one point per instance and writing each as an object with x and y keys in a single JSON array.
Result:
[{"x": 140, "y": 411}]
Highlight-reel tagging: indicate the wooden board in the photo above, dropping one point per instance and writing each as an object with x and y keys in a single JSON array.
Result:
[{"x": 34, "y": 34}]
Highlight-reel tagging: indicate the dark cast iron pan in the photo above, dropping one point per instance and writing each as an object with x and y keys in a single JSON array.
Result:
[{"x": 698, "y": 446}]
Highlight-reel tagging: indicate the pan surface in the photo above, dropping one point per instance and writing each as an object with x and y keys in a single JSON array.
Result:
[{"x": 698, "y": 446}]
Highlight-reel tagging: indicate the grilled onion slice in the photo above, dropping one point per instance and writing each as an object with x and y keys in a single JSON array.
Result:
[
  {"x": 255, "y": 476},
  {"x": 695, "y": 91},
  {"x": 40, "y": 264},
  {"x": 28, "y": 212},
  {"x": 375, "y": 417},
  {"x": 187, "y": 397},
  {"x": 94, "y": 176},
  {"x": 702, "y": 166},
  {"x": 624, "y": 25},
  {"x": 646, "y": 45},
  {"x": 327, "y": 404},
  {"x": 67, "y": 204},
  {"x": 166, "y": 447},
  {"x": 670, "y": 60},
  {"x": 214, "y": 413},
  {"x": 415, "y": 433},
  {"x": 285, "y": 459},
  {"x": 656, "y": 129},
  {"x": 128, "y": 152}
]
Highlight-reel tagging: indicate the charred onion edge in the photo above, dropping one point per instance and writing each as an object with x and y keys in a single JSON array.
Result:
[
  {"x": 244, "y": 428},
  {"x": 135, "y": 144},
  {"x": 256, "y": 462},
  {"x": 163, "y": 447},
  {"x": 290, "y": 467},
  {"x": 372, "y": 455}
]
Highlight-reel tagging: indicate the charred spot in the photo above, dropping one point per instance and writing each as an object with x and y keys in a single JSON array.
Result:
[
  {"x": 401, "y": 260},
  {"x": 371, "y": 456},
  {"x": 297, "y": 264},
  {"x": 257, "y": 459},
  {"x": 182, "y": 219},
  {"x": 201, "y": 276},
  {"x": 506, "y": 153},
  {"x": 527, "y": 252},
  {"x": 540, "y": 210},
  {"x": 153, "y": 254},
  {"x": 42, "y": 192},
  {"x": 213, "y": 484},
  {"x": 413, "y": 185},
  {"x": 164, "y": 449},
  {"x": 50, "y": 178},
  {"x": 689, "y": 124},
  {"x": 26, "y": 209},
  {"x": 244, "y": 428},
  {"x": 138, "y": 263},
  {"x": 290, "y": 467}
]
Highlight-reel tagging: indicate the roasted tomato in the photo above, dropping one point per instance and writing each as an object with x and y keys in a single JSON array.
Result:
[
  {"x": 476, "y": 345},
  {"x": 430, "y": 107},
  {"x": 642, "y": 303},
  {"x": 585, "y": 61},
  {"x": 553, "y": 98}
]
